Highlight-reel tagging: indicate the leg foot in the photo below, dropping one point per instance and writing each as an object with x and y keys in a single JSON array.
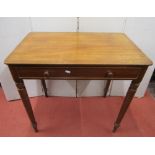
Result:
[
  {"x": 116, "y": 126},
  {"x": 34, "y": 125}
]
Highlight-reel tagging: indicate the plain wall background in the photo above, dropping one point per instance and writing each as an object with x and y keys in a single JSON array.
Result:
[{"x": 13, "y": 30}]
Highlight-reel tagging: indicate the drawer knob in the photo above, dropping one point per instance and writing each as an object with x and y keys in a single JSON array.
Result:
[
  {"x": 46, "y": 73},
  {"x": 109, "y": 74},
  {"x": 68, "y": 71}
]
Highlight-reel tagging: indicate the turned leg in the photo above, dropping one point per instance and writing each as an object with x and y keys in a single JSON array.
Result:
[
  {"x": 107, "y": 87},
  {"x": 24, "y": 96},
  {"x": 44, "y": 87}
]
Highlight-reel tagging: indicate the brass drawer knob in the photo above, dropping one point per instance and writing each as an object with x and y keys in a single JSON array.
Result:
[
  {"x": 46, "y": 73},
  {"x": 68, "y": 71}
]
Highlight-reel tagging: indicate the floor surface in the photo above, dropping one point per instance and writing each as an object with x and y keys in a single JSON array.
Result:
[{"x": 68, "y": 116}]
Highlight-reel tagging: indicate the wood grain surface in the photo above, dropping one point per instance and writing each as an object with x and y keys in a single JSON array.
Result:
[{"x": 77, "y": 48}]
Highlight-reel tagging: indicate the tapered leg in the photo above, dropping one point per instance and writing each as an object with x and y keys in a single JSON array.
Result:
[
  {"x": 107, "y": 87},
  {"x": 130, "y": 94},
  {"x": 76, "y": 89},
  {"x": 44, "y": 87},
  {"x": 24, "y": 96}
]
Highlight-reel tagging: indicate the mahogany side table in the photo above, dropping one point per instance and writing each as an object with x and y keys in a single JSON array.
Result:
[{"x": 77, "y": 56}]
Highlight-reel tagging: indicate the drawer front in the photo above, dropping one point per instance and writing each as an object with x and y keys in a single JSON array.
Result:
[{"x": 78, "y": 72}]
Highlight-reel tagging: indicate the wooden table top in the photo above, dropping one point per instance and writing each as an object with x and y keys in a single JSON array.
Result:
[{"x": 77, "y": 48}]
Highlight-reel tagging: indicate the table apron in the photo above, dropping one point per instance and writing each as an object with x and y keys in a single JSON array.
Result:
[{"x": 79, "y": 73}]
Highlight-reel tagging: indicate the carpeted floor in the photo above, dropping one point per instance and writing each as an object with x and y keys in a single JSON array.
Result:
[{"x": 68, "y": 116}]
